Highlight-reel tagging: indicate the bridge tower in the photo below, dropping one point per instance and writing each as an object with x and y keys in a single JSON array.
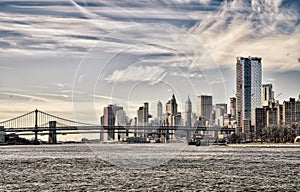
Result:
[
  {"x": 52, "y": 132},
  {"x": 2, "y": 134},
  {"x": 36, "y": 127}
]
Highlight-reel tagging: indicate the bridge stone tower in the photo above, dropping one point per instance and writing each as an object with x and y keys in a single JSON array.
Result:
[
  {"x": 52, "y": 132},
  {"x": 2, "y": 134}
]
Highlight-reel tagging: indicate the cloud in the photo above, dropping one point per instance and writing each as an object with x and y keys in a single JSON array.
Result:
[
  {"x": 151, "y": 74},
  {"x": 267, "y": 29},
  {"x": 31, "y": 97},
  {"x": 226, "y": 28},
  {"x": 187, "y": 75}
]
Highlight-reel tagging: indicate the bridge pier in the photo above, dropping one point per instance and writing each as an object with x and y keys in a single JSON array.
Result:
[
  {"x": 188, "y": 136},
  {"x": 52, "y": 132},
  {"x": 2, "y": 134}
]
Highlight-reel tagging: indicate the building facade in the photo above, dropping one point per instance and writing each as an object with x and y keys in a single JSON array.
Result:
[
  {"x": 267, "y": 95},
  {"x": 159, "y": 112},
  {"x": 109, "y": 119},
  {"x": 143, "y": 115},
  {"x": 291, "y": 111},
  {"x": 188, "y": 112},
  {"x": 109, "y": 115},
  {"x": 220, "y": 111},
  {"x": 173, "y": 116},
  {"x": 232, "y": 108},
  {"x": 204, "y": 108},
  {"x": 248, "y": 91}
]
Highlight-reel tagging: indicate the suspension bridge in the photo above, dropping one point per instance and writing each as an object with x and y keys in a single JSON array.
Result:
[{"x": 40, "y": 123}]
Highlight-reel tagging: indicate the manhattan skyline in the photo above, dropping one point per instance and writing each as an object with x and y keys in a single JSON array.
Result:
[{"x": 75, "y": 57}]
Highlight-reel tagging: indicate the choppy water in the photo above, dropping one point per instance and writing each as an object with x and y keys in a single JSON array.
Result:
[{"x": 78, "y": 167}]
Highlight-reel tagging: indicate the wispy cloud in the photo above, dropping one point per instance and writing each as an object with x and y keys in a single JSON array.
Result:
[
  {"x": 226, "y": 28},
  {"x": 261, "y": 28},
  {"x": 151, "y": 74}
]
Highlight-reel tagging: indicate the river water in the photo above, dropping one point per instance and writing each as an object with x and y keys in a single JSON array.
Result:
[{"x": 148, "y": 167}]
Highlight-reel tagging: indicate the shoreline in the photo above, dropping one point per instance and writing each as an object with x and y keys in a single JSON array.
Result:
[{"x": 266, "y": 145}]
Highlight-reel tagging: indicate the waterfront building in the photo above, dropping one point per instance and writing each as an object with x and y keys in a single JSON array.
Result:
[
  {"x": 291, "y": 111},
  {"x": 267, "y": 95},
  {"x": 188, "y": 112},
  {"x": 248, "y": 91},
  {"x": 204, "y": 108},
  {"x": 265, "y": 117},
  {"x": 271, "y": 117}
]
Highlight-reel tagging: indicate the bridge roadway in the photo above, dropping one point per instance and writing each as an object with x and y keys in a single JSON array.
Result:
[{"x": 118, "y": 128}]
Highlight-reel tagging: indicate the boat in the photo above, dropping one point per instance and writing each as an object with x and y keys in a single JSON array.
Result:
[{"x": 297, "y": 140}]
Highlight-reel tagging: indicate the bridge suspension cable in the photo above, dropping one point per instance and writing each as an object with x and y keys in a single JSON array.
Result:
[{"x": 38, "y": 118}]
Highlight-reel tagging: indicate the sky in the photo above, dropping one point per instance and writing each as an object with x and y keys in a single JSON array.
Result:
[{"x": 72, "y": 58}]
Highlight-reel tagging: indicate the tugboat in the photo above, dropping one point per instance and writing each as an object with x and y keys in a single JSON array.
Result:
[{"x": 196, "y": 140}]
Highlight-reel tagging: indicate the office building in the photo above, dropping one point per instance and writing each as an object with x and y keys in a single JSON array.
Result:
[
  {"x": 291, "y": 111},
  {"x": 188, "y": 112},
  {"x": 248, "y": 91},
  {"x": 143, "y": 115},
  {"x": 232, "y": 108},
  {"x": 204, "y": 108},
  {"x": 279, "y": 108},
  {"x": 220, "y": 111},
  {"x": 173, "y": 117},
  {"x": 109, "y": 119},
  {"x": 109, "y": 115},
  {"x": 159, "y": 112},
  {"x": 260, "y": 120},
  {"x": 267, "y": 95}
]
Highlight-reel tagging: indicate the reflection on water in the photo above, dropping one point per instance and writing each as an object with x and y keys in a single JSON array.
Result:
[{"x": 79, "y": 168}]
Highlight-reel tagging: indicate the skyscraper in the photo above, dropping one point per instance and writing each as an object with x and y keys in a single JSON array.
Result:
[
  {"x": 291, "y": 111},
  {"x": 171, "y": 106},
  {"x": 220, "y": 111},
  {"x": 204, "y": 108},
  {"x": 109, "y": 119},
  {"x": 248, "y": 90},
  {"x": 267, "y": 95},
  {"x": 232, "y": 107},
  {"x": 143, "y": 115},
  {"x": 188, "y": 111},
  {"x": 173, "y": 117},
  {"x": 159, "y": 112},
  {"x": 109, "y": 115}
]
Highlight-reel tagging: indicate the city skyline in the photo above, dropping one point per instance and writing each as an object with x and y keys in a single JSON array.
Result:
[{"x": 75, "y": 57}]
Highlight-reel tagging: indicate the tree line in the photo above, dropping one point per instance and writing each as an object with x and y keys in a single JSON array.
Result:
[{"x": 272, "y": 134}]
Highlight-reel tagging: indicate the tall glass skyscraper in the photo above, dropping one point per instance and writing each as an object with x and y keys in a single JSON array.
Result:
[{"x": 248, "y": 90}]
